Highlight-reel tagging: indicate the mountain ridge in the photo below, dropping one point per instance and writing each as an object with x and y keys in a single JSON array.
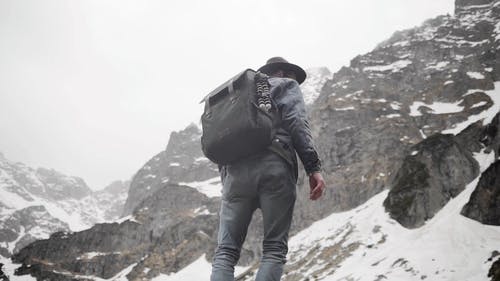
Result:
[{"x": 38, "y": 202}]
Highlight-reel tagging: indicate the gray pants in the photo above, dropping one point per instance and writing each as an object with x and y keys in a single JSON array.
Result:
[{"x": 262, "y": 181}]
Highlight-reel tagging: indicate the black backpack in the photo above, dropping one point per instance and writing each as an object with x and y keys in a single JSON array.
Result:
[{"x": 239, "y": 119}]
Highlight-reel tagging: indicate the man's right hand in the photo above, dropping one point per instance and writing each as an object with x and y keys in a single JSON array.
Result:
[{"x": 317, "y": 185}]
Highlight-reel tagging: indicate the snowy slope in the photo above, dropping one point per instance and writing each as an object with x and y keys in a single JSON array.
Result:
[
  {"x": 22, "y": 187},
  {"x": 35, "y": 203},
  {"x": 366, "y": 244},
  {"x": 198, "y": 270}
]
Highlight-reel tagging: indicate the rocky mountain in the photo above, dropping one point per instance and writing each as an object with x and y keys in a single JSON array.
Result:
[
  {"x": 181, "y": 161},
  {"x": 311, "y": 87},
  {"x": 37, "y": 202},
  {"x": 407, "y": 134}
]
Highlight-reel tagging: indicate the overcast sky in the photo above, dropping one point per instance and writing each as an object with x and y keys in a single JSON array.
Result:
[{"x": 94, "y": 88}]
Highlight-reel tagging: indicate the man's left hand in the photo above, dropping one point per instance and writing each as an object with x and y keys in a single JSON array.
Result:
[{"x": 317, "y": 185}]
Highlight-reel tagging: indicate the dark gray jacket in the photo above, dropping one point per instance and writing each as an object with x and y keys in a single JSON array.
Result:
[{"x": 294, "y": 133}]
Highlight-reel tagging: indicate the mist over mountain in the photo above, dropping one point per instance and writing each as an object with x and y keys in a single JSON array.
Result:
[{"x": 409, "y": 138}]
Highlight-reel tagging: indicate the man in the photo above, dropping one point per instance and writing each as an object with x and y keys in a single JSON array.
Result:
[{"x": 267, "y": 180}]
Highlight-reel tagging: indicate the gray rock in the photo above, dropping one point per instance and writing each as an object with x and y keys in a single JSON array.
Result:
[
  {"x": 438, "y": 171},
  {"x": 59, "y": 186},
  {"x": 181, "y": 161},
  {"x": 484, "y": 203}
]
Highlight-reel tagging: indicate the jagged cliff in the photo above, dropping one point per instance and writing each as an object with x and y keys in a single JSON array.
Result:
[{"x": 411, "y": 116}]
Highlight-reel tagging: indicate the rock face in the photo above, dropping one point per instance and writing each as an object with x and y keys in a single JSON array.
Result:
[
  {"x": 494, "y": 271},
  {"x": 181, "y": 161},
  {"x": 409, "y": 115},
  {"x": 437, "y": 170},
  {"x": 60, "y": 186},
  {"x": 484, "y": 204},
  {"x": 112, "y": 198},
  {"x": 421, "y": 81}
]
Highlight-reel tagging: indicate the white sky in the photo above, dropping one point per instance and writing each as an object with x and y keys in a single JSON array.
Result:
[{"x": 94, "y": 88}]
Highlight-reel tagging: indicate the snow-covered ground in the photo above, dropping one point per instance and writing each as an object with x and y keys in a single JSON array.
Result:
[
  {"x": 198, "y": 270},
  {"x": 366, "y": 244}
]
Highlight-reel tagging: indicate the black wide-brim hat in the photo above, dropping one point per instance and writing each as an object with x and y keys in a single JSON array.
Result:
[{"x": 279, "y": 63}]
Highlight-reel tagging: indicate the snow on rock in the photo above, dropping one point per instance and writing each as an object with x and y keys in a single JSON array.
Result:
[
  {"x": 127, "y": 218},
  {"x": 436, "y": 107},
  {"x": 485, "y": 115},
  {"x": 395, "y": 105},
  {"x": 9, "y": 269},
  {"x": 475, "y": 75},
  {"x": 393, "y": 67},
  {"x": 211, "y": 187},
  {"x": 394, "y": 115},
  {"x": 438, "y": 66},
  {"x": 345, "y": 108}
]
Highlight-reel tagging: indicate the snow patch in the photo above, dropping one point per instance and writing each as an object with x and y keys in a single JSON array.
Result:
[
  {"x": 201, "y": 160},
  {"x": 393, "y": 67},
  {"x": 436, "y": 108},
  {"x": 395, "y": 105},
  {"x": 9, "y": 269},
  {"x": 479, "y": 104},
  {"x": 438, "y": 66},
  {"x": 201, "y": 211},
  {"x": 91, "y": 255},
  {"x": 395, "y": 115},
  {"x": 344, "y": 108},
  {"x": 127, "y": 218},
  {"x": 475, "y": 75},
  {"x": 401, "y": 43},
  {"x": 194, "y": 271},
  {"x": 211, "y": 187}
]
